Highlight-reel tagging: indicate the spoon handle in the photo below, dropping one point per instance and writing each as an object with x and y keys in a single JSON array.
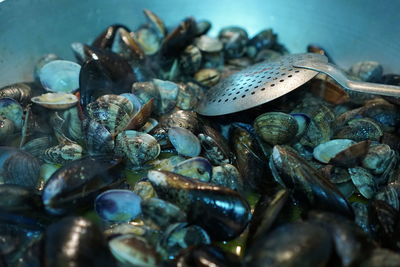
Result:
[
  {"x": 374, "y": 88},
  {"x": 336, "y": 74}
]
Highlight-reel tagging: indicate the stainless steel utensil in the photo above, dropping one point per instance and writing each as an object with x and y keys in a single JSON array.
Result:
[
  {"x": 264, "y": 82},
  {"x": 258, "y": 84},
  {"x": 335, "y": 73}
]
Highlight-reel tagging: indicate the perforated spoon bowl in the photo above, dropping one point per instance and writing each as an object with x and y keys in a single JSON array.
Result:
[
  {"x": 258, "y": 84},
  {"x": 266, "y": 81}
]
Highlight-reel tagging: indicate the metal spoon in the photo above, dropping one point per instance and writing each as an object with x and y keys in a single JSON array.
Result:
[{"x": 335, "y": 73}]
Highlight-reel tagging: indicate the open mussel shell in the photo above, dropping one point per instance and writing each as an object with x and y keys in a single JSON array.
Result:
[
  {"x": 156, "y": 23},
  {"x": 180, "y": 37},
  {"x": 106, "y": 38},
  {"x": 117, "y": 205},
  {"x": 55, "y": 101},
  {"x": 60, "y": 76},
  {"x": 222, "y": 212}
]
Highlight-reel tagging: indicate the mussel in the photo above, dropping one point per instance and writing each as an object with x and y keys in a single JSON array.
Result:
[{"x": 222, "y": 212}]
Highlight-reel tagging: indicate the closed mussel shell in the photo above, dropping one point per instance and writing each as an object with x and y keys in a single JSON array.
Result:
[
  {"x": 16, "y": 198},
  {"x": 75, "y": 241},
  {"x": 294, "y": 244},
  {"x": 351, "y": 243},
  {"x": 18, "y": 167},
  {"x": 276, "y": 127},
  {"x": 294, "y": 172},
  {"x": 222, "y": 212},
  {"x": 265, "y": 213},
  {"x": 77, "y": 183},
  {"x": 250, "y": 159},
  {"x": 118, "y": 205},
  {"x": 207, "y": 77}
]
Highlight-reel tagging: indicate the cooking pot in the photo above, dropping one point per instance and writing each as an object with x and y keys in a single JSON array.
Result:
[{"x": 349, "y": 30}]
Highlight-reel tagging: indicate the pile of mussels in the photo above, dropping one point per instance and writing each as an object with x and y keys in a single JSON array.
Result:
[{"x": 104, "y": 162}]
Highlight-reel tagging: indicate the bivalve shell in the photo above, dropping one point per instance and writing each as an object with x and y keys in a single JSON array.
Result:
[
  {"x": 118, "y": 205},
  {"x": 136, "y": 147},
  {"x": 328, "y": 150},
  {"x": 55, "y": 101},
  {"x": 184, "y": 141},
  {"x": 276, "y": 127},
  {"x": 60, "y": 76}
]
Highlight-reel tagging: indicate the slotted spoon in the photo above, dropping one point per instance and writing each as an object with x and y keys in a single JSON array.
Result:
[{"x": 266, "y": 81}]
